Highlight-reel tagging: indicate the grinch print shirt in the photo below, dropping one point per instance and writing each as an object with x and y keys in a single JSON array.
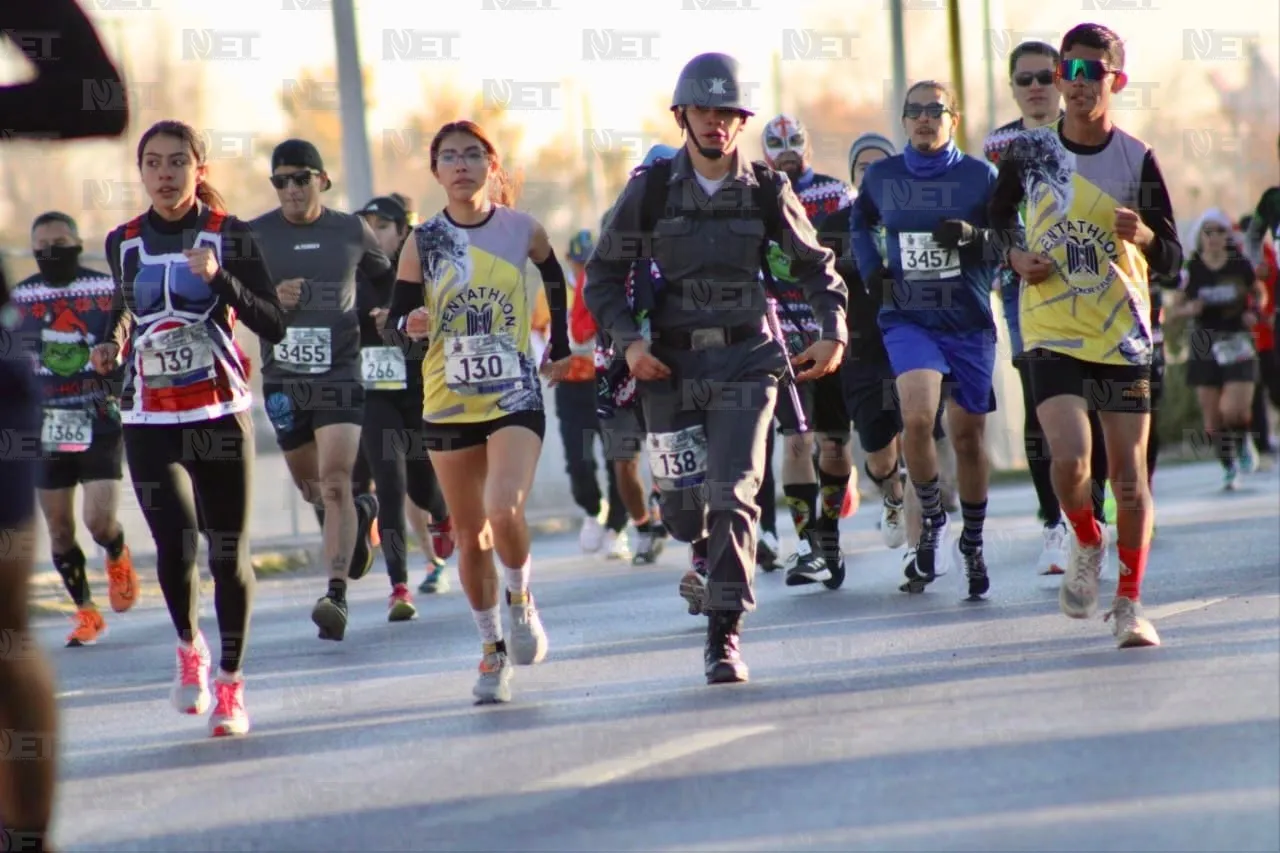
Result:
[{"x": 59, "y": 325}]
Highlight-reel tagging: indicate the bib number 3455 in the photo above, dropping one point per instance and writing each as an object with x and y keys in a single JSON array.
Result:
[{"x": 678, "y": 460}]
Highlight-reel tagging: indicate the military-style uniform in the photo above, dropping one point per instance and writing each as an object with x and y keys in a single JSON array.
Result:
[{"x": 707, "y": 424}]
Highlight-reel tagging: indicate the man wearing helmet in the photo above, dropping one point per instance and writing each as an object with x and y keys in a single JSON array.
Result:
[
  {"x": 815, "y": 499},
  {"x": 709, "y": 370}
]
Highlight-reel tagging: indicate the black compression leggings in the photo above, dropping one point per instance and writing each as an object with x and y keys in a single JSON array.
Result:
[
  {"x": 192, "y": 479},
  {"x": 391, "y": 442}
]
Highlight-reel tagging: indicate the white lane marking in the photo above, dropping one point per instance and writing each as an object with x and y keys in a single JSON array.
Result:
[
  {"x": 1174, "y": 608},
  {"x": 1051, "y": 820},
  {"x": 604, "y": 772}
]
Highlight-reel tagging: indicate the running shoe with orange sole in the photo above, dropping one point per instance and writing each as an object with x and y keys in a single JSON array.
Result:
[
  {"x": 90, "y": 627},
  {"x": 122, "y": 582}
]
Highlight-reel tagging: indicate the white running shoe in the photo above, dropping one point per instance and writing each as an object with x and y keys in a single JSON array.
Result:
[
  {"x": 591, "y": 537},
  {"x": 1053, "y": 556}
]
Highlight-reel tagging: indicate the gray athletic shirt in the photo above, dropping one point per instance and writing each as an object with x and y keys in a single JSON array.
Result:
[{"x": 322, "y": 338}]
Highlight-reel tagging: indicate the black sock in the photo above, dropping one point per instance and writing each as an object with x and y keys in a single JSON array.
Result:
[
  {"x": 115, "y": 547},
  {"x": 930, "y": 501},
  {"x": 337, "y": 589},
  {"x": 1224, "y": 441},
  {"x": 974, "y": 515},
  {"x": 71, "y": 566},
  {"x": 834, "y": 488},
  {"x": 801, "y": 499}
]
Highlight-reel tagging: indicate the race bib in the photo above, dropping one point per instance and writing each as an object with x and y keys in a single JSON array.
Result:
[
  {"x": 66, "y": 430},
  {"x": 383, "y": 368},
  {"x": 481, "y": 364},
  {"x": 306, "y": 350},
  {"x": 923, "y": 258},
  {"x": 1233, "y": 350},
  {"x": 177, "y": 357},
  {"x": 678, "y": 460}
]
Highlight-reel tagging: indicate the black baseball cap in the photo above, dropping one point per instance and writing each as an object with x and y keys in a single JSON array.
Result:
[
  {"x": 299, "y": 153},
  {"x": 388, "y": 208}
]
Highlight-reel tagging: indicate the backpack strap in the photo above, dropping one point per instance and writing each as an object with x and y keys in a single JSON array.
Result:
[
  {"x": 215, "y": 221},
  {"x": 766, "y": 198},
  {"x": 133, "y": 228},
  {"x": 653, "y": 204}
]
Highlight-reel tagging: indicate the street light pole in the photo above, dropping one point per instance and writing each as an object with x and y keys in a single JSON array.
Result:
[
  {"x": 355, "y": 142},
  {"x": 899, "y": 71},
  {"x": 957, "y": 71}
]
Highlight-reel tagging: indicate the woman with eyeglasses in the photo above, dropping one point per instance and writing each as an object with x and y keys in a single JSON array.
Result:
[
  {"x": 186, "y": 271},
  {"x": 1217, "y": 293},
  {"x": 934, "y": 288},
  {"x": 462, "y": 286}
]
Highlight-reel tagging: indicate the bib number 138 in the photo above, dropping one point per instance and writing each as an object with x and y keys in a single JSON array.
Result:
[{"x": 678, "y": 460}]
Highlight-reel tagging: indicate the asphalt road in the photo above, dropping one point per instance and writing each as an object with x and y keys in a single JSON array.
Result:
[{"x": 873, "y": 721}]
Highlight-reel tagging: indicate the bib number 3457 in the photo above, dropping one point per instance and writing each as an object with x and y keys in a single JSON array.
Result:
[
  {"x": 678, "y": 460},
  {"x": 923, "y": 258}
]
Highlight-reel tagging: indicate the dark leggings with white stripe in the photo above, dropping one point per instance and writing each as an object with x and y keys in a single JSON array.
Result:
[
  {"x": 192, "y": 479},
  {"x": 392, "y": 443}
]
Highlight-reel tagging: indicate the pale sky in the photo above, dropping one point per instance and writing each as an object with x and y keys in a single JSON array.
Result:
[{"x": 540, "y": 45}]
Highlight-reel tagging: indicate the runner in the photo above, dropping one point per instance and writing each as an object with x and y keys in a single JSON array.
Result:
[
  {"x": 816, "y": 499},
  {"x": 1222, "y": 364},
  {"x": 65, "y": 309},
  {"x": 186, "y": 271},
  {"x": 709, "y": 370},
  {"x": 311, "y": 380},
  {"x": 1032, "y": 66},
  {"x": 867, "y": 378},
  {"x": 1093, "y": 244},
  {"x": 936, "y": 317},
  {"x": 462, "y": 285},
  {"x": 391, "y": 436},
  {"x": 50, "y": 105},
  {"x": 1264, "y": 338},
  {"x": 580, "y": 425}
]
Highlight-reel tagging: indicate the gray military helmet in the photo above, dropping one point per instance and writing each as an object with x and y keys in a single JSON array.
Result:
[{"x": 710, "y": 80}]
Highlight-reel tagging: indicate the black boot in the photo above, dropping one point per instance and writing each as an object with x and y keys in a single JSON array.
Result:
[{"x": 723, "y": 660}]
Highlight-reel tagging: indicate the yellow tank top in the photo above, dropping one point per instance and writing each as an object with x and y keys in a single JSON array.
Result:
[
  {"x": 1095, "y": 306},
  {"x": 479, "y": 364}
]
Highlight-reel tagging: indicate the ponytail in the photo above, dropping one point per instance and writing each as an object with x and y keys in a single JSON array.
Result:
[
  {"x": 502, "y": 189},
  {"x": 211, "y": 197}
]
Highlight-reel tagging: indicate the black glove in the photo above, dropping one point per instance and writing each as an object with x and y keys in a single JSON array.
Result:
[{"x": 954, "y": 233}]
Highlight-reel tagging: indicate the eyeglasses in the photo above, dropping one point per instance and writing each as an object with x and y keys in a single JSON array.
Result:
[
  {"x": 934, "y": 110},
  {"x": 1213, "y": 231},
  {"x": 1093, "y": 70},
  {"x": 473, "y": 157},
  {"x": 1026, "y": 78},
  {"x": 298, "y": 179}
]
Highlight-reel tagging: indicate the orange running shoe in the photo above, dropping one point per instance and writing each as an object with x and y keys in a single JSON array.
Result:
[
  {"x": 90, "y": 627},
  {"x": 122, "y": 582}
]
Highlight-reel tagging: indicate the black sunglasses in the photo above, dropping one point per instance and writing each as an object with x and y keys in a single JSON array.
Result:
[
  {"x": 1026, "y": 78},
  {"x": 934, "y": 110},
  {"x": 298, "y": 179}
]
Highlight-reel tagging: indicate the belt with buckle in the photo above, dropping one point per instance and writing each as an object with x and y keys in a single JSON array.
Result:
[{"x": 715, "y": 337}]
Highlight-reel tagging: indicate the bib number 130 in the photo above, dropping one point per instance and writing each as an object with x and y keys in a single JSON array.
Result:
[{"x": 678, "y": 460}]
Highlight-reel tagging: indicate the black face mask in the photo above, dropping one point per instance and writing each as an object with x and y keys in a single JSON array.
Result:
[{"x": 59, "y": 264}]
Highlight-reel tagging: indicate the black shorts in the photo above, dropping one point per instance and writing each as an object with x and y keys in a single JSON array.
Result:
[
  {"x": 623, "y": 434},
  {"x": 19, "y": 430},
  {"x": 299, "y": 407},
  {"x": 102, "y": 460},
  {"x": 442, "y": 437},
  {"x": 1205, "y": 372},
  {"x": 871, "y": 398},
  {"x": 1104, "y": 387},
  {"x": 823, "y": 402}
]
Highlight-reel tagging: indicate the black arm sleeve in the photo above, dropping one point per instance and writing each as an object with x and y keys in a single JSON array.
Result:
[
  {"x": 405, "y": 297},
  {"x": 1002, "y": 208},
  {"x": 558, "y": 304},
  {"x": 244, "y": 283},
  {"x": 59, "y": 40},
  {"x": 1164, "y": 255}
]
